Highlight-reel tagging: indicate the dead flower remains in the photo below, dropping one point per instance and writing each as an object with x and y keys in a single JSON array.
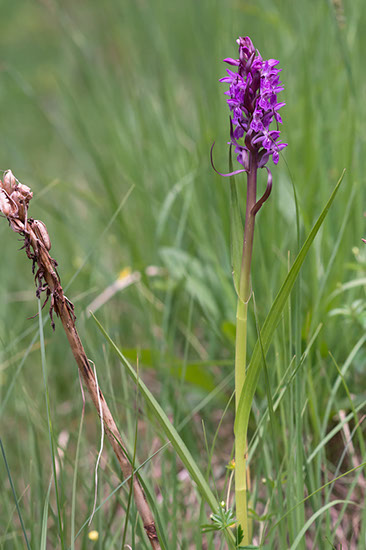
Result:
[{"x": 14, "y": 202}]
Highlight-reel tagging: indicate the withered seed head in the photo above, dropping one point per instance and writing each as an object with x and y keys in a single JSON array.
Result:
[
  {"x": 24, "y": 191},
  {"x": 19, "y": 200},
  {"x": 7, "y": 207},
  {"x": 41, "y": 233},
  {"x": 14, "y": 197},
  {"x": 9, "y": 183}
]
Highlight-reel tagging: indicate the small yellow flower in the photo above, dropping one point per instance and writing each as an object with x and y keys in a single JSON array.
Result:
[
  {"x": 231, "y": 465},
  {"x": 93, "y": 535},
  {"x": 124, "y": 273}
]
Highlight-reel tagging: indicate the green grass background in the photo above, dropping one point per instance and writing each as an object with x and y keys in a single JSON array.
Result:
[{"x": 115, "y": 105}]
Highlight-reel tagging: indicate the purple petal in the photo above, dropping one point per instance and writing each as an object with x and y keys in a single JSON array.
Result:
[
  {"x": 275, "y": 157},
  {"x": 252, "y": 100},
  {"x": 231, "y": 61}
]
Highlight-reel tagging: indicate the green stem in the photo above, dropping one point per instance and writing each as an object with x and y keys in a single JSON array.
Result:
[{"x": 241, "y": 348}]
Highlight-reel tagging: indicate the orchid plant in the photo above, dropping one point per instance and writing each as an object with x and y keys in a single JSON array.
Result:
[{"x": 252, "y": 99}]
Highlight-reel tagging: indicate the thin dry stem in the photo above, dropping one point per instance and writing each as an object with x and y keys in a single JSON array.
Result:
[{"x": 14, "y": 200}]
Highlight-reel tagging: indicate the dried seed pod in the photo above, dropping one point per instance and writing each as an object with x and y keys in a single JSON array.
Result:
[
  {"x": 25, "y": 192},
  {"x": 41, "y": 233},
  {"x": 20, "y": 203},
  {"x": 7, "y": 206},
  {"x": 9, "y": 182}
]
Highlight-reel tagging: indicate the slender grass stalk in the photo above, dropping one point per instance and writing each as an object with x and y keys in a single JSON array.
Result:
[
  {"x": 74, "y": 480},
  {"x": 50, "y": 428},
  {"x": 15, "y": 496}
]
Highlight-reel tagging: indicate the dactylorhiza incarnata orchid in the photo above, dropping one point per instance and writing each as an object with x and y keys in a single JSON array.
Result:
[{"x": 252, "y": 99}]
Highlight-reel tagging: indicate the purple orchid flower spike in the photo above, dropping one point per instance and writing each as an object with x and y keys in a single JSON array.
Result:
[{"x": 252, "y": 99}]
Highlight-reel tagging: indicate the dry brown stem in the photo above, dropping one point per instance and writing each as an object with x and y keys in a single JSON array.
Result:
[{"x": 14, "y": 200}]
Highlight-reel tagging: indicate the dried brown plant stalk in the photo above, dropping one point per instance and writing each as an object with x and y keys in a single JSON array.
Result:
[{"x": 14, "y": 202}]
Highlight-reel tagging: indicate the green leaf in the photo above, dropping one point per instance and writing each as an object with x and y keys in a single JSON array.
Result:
[
  {"x": 271, "y": 322},
  {"x": 301, "y": 533},
  {"x": 43, "y": 544},
  {"x": 16, "y": 501}
]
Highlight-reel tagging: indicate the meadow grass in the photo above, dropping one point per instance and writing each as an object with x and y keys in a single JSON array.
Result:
[{"x": 109, "y": 111}]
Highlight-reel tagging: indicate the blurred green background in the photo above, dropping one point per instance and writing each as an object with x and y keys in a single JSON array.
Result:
[{"x": 108, "y": 112}]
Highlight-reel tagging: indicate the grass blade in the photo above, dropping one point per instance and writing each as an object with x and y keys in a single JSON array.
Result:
[
  {"x": 43, "y": 545},
  {"x": 166, "y": 425},
  {"x": 50, "y": 425},
  {"x": 272, "y": 320},
  {"x": 76, "y": 466},
  {"x": 301, "y": 533},
  {"x": 14, "y": 494}
]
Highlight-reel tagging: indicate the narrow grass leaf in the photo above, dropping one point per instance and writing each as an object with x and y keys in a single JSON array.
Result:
[
  {"x": 337, "y": 244},
  {"x": 281, "y": 391},
  {"x": 119, "y": 486},
  {"x": 14, "y": 494},
  {"x": 272, "y": 320},
  {"x": 76, "y": 465},
  {"x": 43, "y": 545},
  {"x": 169, "y": 430},
  {"x": 311, "y": 520},
  {"x": 129, "y": 501},
  {"x": 318, "y": 490},
  {"x": 334, "y": 431},
  {"x": 166, "y": 425},
  {"x": 352, "y": 407},
  {"x": 331, "y": 401},
  {"x": 49, "y": 424},
  {"x": 14, "y": 377}
]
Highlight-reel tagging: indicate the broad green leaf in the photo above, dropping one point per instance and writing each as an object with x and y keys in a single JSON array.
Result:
[{"x": 271, "y": 322}]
